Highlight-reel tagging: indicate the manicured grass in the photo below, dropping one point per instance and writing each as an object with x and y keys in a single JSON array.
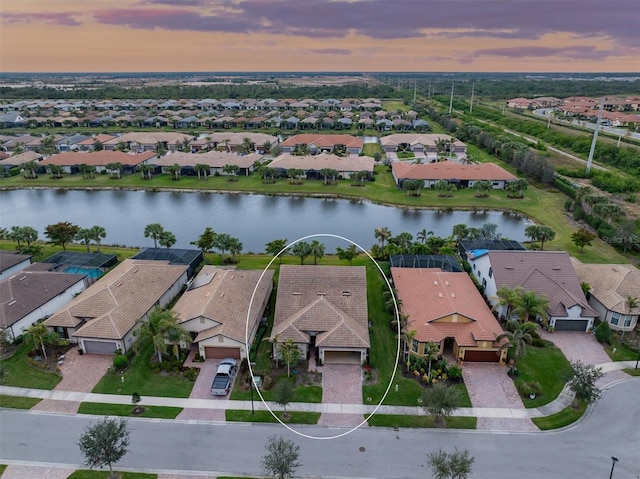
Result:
[
  {"x": 632, "y": 372},
  {"x": 2, "y": 468},
  {"x": 49, "y": 249},
  {"x": 370, "y": 149},
  {"x": 618, "y": 351},
  {"x": 546, "y": 366},
  {"x": 101, "y": 409},
  {"x": 19, "y": 373},
  {"x": 18, "y": 402},
  {"x": 139, "y": 378},
  {"x": 265, "y": 416},
  {"x": 88, "y": 474},
  {"x": 392, "y": 420},
  {"x": 567, "y": 416},
  {"x": 311, "y": 394}
]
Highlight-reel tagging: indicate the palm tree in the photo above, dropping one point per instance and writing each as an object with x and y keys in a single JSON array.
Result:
[
  {"x": 29, "y": 169},
  {"x": 431, "y": 350},
  {"x": 317, "y": 250},
  {"x": 508, "y": 297},
  {"x": 98, "y": 233},
  {"x": 518, "y": 340},
  {"x": 232, "y": 171},
  {"x": 290, "y": 354},
  {"x": 153, "y": 230},
  {"x": 423, "y": 234},
  {"x": 295, "y": 175},
  {"x": 167, "y": 239},
  {"x": 545, "y": 233},
  {"x": 235, "y": 247},
  {"x": 201, "y": 169},
  {"x": 177, "y": 335},
  {"x": 382, "y": 234},
  {"x": 37, "y": 336},
  {"x": 302, "y": 249},
  {"x": 530, "y": 304},
  {"x": 155, "y": 330},
  {"x": 407, "y": 338},
  {"x": 174, "y": 170},
  {"x": 85, "y": 236}
]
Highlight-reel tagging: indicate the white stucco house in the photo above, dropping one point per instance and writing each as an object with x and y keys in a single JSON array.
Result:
[{"x": 11, "y": 263}]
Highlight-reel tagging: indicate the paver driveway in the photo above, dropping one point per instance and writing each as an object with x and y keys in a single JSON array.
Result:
[
  {"x": 489, "y": 386},
  {"x": 79, "y": 373},
  {"x": 202, "y": 390},
  {"x": 36, "y": 472},
  {"x": 341, "y": 384}
]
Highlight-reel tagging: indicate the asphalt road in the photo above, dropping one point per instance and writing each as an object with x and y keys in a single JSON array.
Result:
[
  {"x": 591, "y": 126},
  {"x": 611, "y": 428}
]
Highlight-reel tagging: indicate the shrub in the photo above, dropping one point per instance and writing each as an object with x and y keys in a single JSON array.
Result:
[
  {"x": 120, "y": 361},
  {"x": 526, "y": 388},
  {"x": 455, "y": 372},
  {"x": 267, "y": 382},
  {"x": 538, "y": 342},
  {"x": 603, "y": 332}
]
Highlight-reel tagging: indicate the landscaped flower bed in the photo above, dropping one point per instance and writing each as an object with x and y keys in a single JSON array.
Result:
[{"x": 428, "y": 375}]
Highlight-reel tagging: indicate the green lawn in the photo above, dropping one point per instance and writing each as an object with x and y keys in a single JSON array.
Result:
[
  {"x": 370, "y": 149},
  {"x": 265, "y": 416},
  {"x": 88, "y": 474},
  {"x": 139, "y": 378},
  {"x": 392, "y": 420},
  {"x": 19, "y": 373},
  {"x": 2, "y": 468},
  {"x": 18, "y": 402},
  {"x": 311, "y": 394},
  {"x": 101, "y": 409},
  {"x": 546, "y": 366},
  {"x": 567, "y": 416},
  {"x": 618, "y": 351},
  {"x": 632, "y": 372}
]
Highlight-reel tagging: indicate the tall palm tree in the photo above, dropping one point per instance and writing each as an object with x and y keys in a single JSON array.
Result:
[
  {"x": 153, "y": 230},
  {"x": 167, "y": 239},
  {"x": 85, "y": 236},
  {"x": 423, "y": 234},
  {"x": 290, "y": 354},
  {"x": 518, "y": 340},
  {"x": 201, "y": 169},
  {"x": 317, "y": 250},
  {"x": 37, "y": 336},
  {"x": 98, "y": 233},
  {"x": 382, "y": 234},
  {"x": 531, "y": 305},
  {"x": 407, "y": 338},
  {"x": 156, "y": 330}
]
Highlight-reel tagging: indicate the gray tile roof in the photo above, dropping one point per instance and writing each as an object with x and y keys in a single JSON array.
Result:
[{"x": 9, "y": 259}]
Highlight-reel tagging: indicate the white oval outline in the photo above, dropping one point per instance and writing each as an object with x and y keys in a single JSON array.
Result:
[{"x": 248, "y": 349}]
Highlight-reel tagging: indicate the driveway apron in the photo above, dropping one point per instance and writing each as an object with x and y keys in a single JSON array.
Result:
[
  {"x": 341, "y": 384},
  {"x": 202, "y": 390}
]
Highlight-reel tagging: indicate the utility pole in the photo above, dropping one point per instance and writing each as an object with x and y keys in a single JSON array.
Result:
[
  {"x": 549, "y": 121},
  {"x": 595, "y": 137},
  {"x": 451, "y": 100},
  {"x": 473, "y": 88},
  {"x": 415, "y": 89}
]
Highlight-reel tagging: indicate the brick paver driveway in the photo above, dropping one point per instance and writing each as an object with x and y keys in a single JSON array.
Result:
[
  {"x": 341, "y": 384},
  {"x": 36, "y": 472},
  {"x": 202, "y": 390},
  {"x": 79, "y": 373},
  {"x": 489, "y": 386},
  {"x": 577, "y": 345}
]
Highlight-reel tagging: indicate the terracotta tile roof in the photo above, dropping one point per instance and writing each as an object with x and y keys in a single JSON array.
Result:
[
  {"x": 112, "y": 305},
  {"x": 324, "y": 141},
  {"x": 549, "y": 273},
  {"x": 329, "y": 300},
  {"x": 431, "y": 296},
  {"x": 611, "y": 284},
  {"x": 225, "y": 298},
  {"x": 149, "y": 138},
  {"x": 26, "y": 291},
  {"x": 101, "y": 138},
  {"x": 98, "y": 158},
  {"x": 214, "y": 159},
  {"x": 324, "y": 160},
  {"x": 447, "y": 170}
]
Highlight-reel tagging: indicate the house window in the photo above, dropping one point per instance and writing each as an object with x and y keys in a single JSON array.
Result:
[
  {"x": 627, "y": 320},
  {"x": 484, "y": 283},
  {"x": 490, "y": 272},
  {"x": 414, "y": 345},
  {"x": 615, "y": 318},
  {"x": 474, "y": 266}
]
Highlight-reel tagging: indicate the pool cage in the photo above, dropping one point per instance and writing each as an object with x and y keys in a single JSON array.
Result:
[
  {"x": 92, "y": 265},
  {"x": 444, "y": 262}
]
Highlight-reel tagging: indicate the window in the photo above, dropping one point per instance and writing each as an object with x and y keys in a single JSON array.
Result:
[
  {"x": 474, "y": 266},
  {"x": 415, "y": 345},
  {"x": 490, "y": 272},
  {"x": 627, "y": 320},
  {"x": 484, "y": 283},
  {"x": 615, "y": 318}
]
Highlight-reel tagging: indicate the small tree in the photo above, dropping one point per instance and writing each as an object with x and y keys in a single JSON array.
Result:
[
  {"x": 61, "y": 233},
  {"x": 104, "y": 443},
  {"x": 455, "y": 465},
  {"x": 274, "y": 247},
  {"x": 281, "y": 458},
  {"x": 603, "y": 332},
  {"x": 581, "y": 238},
  {"x": 348, "y": 254},
  {"x": 440, "y": 401},
  {"x": 206, "y": 241},
  {"x": 583, "y": 382},
  {"x": 283, "y": 395},
  {"x": 290, "y": 354}
]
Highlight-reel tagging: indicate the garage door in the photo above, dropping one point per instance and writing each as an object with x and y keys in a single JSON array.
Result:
[
  {"x": 571, "y": 324},
  {"x": 100, "y": 347},
  {"x": 342, "y": 357},
  {"x": 211, "y": 352},
  {"x": 481, "y": 356}
]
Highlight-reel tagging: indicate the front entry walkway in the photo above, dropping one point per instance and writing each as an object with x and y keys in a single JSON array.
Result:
[
  {"x": 341, "y": 384},
  {"x": 489, "y": 386}
]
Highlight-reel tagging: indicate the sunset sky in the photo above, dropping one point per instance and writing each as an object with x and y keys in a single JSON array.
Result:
[{"x": 319, "y": 35}]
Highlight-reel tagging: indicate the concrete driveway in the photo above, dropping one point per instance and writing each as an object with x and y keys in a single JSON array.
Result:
[
  {"x": 79, "y": 373},
  {"x": 341, "y": 384},
  {"x": 202, "y": 390}
]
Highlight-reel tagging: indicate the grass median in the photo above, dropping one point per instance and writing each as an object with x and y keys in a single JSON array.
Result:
[
  {"x": 102, "y": 409},
  {"x": 18, "y": 402},
  {"x": 393, "y": 420},
  {"x": 87, "y": 474},
  {"x": 567, "y": 416},
  {"x": 265, "y": 416}
]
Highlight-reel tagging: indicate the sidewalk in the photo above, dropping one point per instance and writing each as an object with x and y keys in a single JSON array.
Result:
[{"x": 561, "y": 402}]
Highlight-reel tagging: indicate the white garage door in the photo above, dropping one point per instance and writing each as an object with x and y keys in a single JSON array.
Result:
[{"x": 100, "y": 347}]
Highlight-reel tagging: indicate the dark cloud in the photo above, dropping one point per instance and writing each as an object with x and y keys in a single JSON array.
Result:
[
  {"x": 572, "y": 52},
  {"x": 389, "y": 19},
  {"x": 331, "y": 51},
  {"x": 60, "y": 18}
]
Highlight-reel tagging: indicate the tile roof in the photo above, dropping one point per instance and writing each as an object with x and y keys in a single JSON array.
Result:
[
  {"x": 430, "y": 295},
  {"x": 101, "y": 138},
  {"x": 417, "y": 139},
  {"x": 98, "y": 158},
  {"x": 22, "y": 158},
  {"x": 447, "y": 170},
  {"x": 329, "y": 300},
  {"x": 150, "y": 138},
  {"x": 225, "y": 298},
  {"x": 9, "y": 259},
  {"x": 324, "y": 141},
  {"x": 549, "y": 273},
  {"x": 26, "y": 291},
  {"x": 113, "y": 304},
  {"x": 611, "y": 284},
  {"x": 324, "y": 160},
  {"x": 214, "y": 159}
]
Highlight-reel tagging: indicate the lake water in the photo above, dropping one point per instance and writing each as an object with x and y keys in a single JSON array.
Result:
[{"x": 254, "y": 219}]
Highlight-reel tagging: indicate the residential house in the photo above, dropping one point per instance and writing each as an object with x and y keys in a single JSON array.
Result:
[
  {"x": 216, "y": 160},
  {"x": 21, "y": 158},
  {"x": 12, "y": 262},
  {"x": 323, "y": 310},
  {"x": 547, "y": 273},
  {"x": 215, "y": 309},
  {"x": 425, "y": 145},
  {"x": 611, "y": 287},
  {"x": 312, "y": 165},
  {"x": 29, "y": 296},
  {"x": 320, "y": 143},
  {"x": 446, "y": 308},
  {"x": 71, "y": 161},
  {"x": 103, "y": 318},
  {"x": 461, "y": 175},
  {"x": 466, "y": 246}
]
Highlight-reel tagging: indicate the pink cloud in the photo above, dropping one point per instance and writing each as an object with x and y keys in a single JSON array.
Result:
[{"x": 60, "y": 18}]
